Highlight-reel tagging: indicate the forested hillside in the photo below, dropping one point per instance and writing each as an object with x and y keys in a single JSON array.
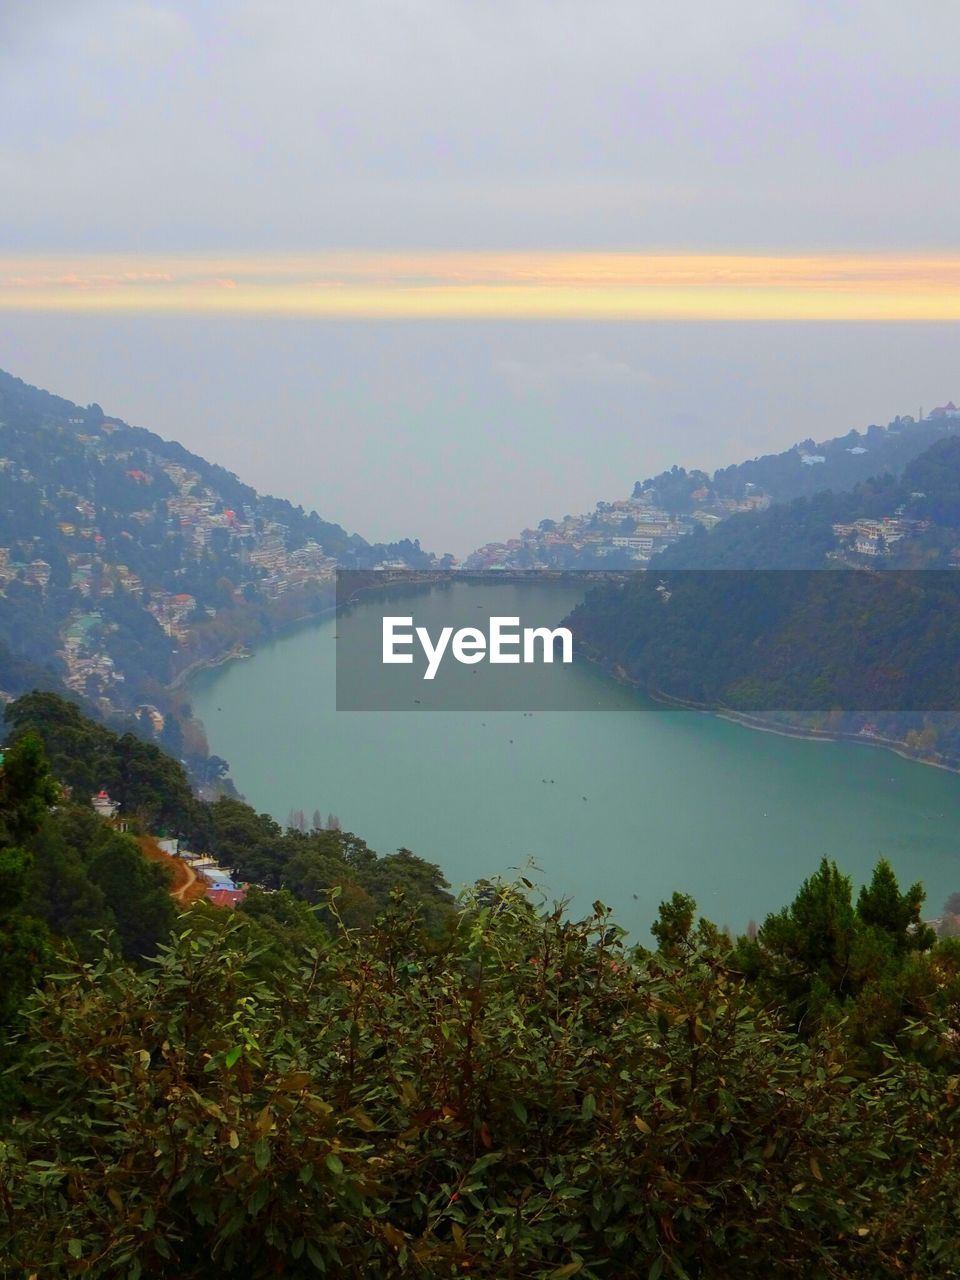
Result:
[
  {"x": 812, "y": 466},
  {"x": 910, "y": 521},
  {"x": 867, "y": 649},
  {"x": 155, "y": 795}
]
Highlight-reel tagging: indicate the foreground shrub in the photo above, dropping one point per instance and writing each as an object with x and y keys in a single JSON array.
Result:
[{"x": 523, "y": 1098}]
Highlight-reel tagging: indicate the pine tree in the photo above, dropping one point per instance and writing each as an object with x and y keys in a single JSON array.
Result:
[{"x": 883, "y": 906}]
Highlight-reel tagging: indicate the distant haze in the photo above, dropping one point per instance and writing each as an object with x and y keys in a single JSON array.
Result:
[{"x": 463, "y": 432}]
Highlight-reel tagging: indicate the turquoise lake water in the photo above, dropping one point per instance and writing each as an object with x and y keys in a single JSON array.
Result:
[{"x": 612, "y": 801}]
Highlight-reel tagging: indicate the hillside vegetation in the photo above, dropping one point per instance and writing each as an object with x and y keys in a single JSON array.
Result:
[
  {"x": 773, "y": 614},
  {"x": 492, "y": 1089}
]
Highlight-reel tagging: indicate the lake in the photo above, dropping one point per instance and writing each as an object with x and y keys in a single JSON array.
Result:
[{"x": 612, "y": 800}]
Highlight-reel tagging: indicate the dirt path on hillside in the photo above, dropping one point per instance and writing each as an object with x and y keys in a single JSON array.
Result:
[{"x": 186, "y": 886}]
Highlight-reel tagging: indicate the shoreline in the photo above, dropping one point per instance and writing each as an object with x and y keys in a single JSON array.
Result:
[
  {"x": 746, "y": 721},
  {"x": 234, "y": 653},
  {"x": 240, "y": 650},
  {"x": 243, "y": 648}
]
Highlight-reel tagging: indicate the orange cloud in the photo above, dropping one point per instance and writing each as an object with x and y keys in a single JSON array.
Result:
[{"x": 497, "y": 285}]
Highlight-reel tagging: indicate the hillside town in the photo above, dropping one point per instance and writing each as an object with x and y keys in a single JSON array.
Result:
[
  {"x": 624, "y": 533},
  {"x": 195, "y": 518},
  {"x": 663, "y": 510},
  {"x": 124, "y": 559}
]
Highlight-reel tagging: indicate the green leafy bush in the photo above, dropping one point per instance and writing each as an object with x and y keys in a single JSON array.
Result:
[{"x": 523, "y": 1098}]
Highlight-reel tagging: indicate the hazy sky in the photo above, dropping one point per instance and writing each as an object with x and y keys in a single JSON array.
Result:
[
  {"x": 514, "y": 124},
  {"x": 242, "y": 135}
]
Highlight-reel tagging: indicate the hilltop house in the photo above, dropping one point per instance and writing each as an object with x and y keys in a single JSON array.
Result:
[{"x": 104, "y": 806}]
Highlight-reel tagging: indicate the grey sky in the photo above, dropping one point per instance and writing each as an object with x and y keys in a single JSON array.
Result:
[{"x": 280, "y": 125}]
